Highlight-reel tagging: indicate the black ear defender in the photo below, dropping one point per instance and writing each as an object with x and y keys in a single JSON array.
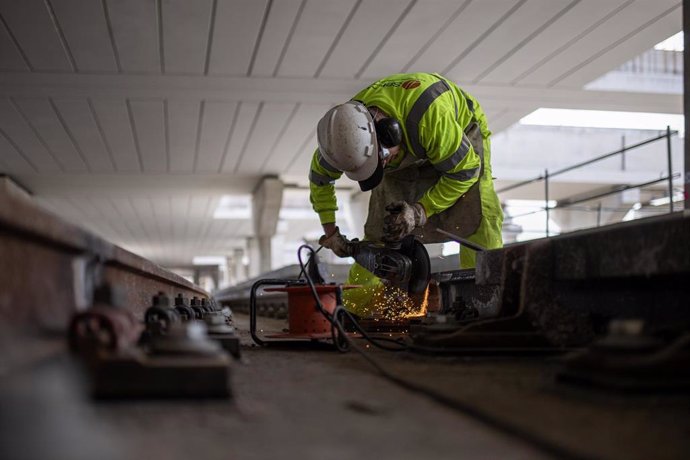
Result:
[{"x": 389, "y": 132}]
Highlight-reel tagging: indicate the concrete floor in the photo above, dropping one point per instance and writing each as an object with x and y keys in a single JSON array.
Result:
[
  {"x": 288, "y": 404},
  {"x": 309, "y": 404}
]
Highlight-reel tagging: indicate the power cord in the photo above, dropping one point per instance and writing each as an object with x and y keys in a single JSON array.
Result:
[
  {"x": 338, "y": 333},
  {"x": 343, "y": 343},
  {"x": 312, "y": 260}
]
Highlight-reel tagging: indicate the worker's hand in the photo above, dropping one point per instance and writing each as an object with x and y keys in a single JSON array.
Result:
[
  {"x": 401, "y": 220},
  {"x": 337, "y": 243}
]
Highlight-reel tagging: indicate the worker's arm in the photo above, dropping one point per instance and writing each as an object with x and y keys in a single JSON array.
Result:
[
  {"x": 322, "y": 177},
  {"x": 450, "y": 152}
]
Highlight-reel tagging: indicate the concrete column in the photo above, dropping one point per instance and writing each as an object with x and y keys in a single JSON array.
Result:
[
  {"x": 215, "y": 276},
  {"x": 277, "y": 251},
  {"x": 253, "y": 253},
  {"x": 226, "y": 270},
  {"x": 266, "y": 203},
  {"x": 265, "y": 258},
  {"x": 238, "y": 268}
]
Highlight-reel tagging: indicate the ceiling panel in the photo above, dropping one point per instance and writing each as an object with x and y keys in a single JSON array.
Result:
[
  {"x": 186, "y": 27},
  {"x": 511, "y": 31},
  {"x": 40, "y": 113},
  {"x": 241, "y": 129},
  {"x": 654, "y": 31},
  {"x": 77, "y": 117},
  {"x": 461, "y": 33},
  {"x": 183, "y": 124},
  {"x": 316, "y": 30},
  {"x": 575, "y": 22},
  {"x": 136, "y": 33},
  {"x": 410, "y": 34},
  {"x": 10, "y": 57},
  {"x": 24, "y": 139},
  {"x": 102, "y": 213},
  {"x": 179, "y": 208},
  {"x": 86, "y": 34},
  {"x": 216, "y": 123},
  {"x": 85, "y": 208},
  {"x": 269, "y": 125},
  {"x": 201, "y": 217},
  {"x": 434, "y": 53},
  {"x": 144, "y": 214},
  {"x": 198, "y": 206},
  {"x": 126, "y": 212},
  {"x": 235, "y": 32},
  {"x": 150, "y": 132},
  {"x": 67, "y": 206},
  {"x": 113, "y": 117},
  {"x": 281, "y": 19},
  {"x": 124, "y": 209},
  {"x": 162, "y": 216},
  {"x": 508, "y": 117},
  {"x": 13, "y": 162},
  {"x": 214, "y": 232},
  {"x": 493, "y": 112},
  {"x": 158, "y": 164},
  {"x": 269, "y": 161},
  {"x": 31, "y": 24},
  {"x": 371, "y": 21},
  {"x": 625, "y": 21},
  {"x": 303, "y": 155},
  {"x": 300, "y": 130}
]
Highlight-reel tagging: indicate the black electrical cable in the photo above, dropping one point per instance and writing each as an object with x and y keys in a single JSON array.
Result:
[
  {"x": 344, "y": 344},
  {"x": 340, "y": 313},
  {"x": 337, "y": 328},
  {"x": 312, "y": 260}
]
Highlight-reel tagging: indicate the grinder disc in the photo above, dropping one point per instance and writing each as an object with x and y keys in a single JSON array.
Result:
[{"x": 421, "y": 266}]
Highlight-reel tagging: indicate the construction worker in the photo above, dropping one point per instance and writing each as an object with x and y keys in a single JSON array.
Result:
[{"x": 421, "y": 144}]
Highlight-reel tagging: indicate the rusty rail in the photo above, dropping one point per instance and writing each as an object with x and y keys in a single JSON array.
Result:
[{"x": 50, "y": 267}]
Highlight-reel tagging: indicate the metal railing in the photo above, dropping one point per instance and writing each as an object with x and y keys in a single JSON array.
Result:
[
  {"x": 548, "y": 175},
  {"x": 655, "y": 62}
]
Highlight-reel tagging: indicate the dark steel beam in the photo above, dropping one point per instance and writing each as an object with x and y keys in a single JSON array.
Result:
[{"x": 686, "y": 99}]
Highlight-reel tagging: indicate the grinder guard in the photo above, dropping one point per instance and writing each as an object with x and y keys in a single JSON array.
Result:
[{"x": 407, "y": 267}]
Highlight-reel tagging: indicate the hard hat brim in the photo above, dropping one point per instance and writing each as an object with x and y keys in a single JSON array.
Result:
[{"x": 373, "y": 180}]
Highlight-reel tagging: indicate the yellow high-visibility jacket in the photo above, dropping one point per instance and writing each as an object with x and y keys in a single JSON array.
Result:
[{"x": 434, "y": 113}]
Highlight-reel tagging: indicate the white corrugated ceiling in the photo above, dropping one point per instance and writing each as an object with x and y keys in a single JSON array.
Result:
[{"x": 133, "y": 117}]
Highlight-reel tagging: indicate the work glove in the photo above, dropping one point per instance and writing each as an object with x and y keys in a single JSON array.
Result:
[
  {"x": 401, "y": 220},
  {"x": 337, "y": 243}
]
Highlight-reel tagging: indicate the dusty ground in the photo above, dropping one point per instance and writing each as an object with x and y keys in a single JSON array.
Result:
[{"x": 309, "y": 404}]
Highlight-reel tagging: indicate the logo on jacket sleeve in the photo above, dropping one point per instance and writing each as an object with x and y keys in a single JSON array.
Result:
[
  {"x": 406, "y": 84},
  {"x": 411, "y": 84}
]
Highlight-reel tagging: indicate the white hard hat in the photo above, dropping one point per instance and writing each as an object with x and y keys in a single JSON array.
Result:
[{"x": 346, "y": 136}]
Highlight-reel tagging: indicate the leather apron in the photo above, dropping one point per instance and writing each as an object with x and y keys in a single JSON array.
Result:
[{"x": 409, "y": 181}]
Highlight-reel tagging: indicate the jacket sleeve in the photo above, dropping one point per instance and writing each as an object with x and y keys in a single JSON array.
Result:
[
  {"x": 451, "y": 153},
  {"x": 322, "y": 177}
]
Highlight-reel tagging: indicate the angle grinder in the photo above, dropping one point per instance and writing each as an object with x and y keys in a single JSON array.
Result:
[{"x": 406, "y": 265}]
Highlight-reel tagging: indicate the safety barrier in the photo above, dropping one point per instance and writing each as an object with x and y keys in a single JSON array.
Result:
[{"x": 547, "y": 175}]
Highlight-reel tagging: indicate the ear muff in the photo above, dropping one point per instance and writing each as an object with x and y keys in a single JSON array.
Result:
[{"x": 389, "y": 132}]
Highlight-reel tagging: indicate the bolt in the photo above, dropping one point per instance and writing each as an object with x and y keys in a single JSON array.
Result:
[
  {"x": 179, "y": 300},
  {"x": 161, "y": 300}
]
